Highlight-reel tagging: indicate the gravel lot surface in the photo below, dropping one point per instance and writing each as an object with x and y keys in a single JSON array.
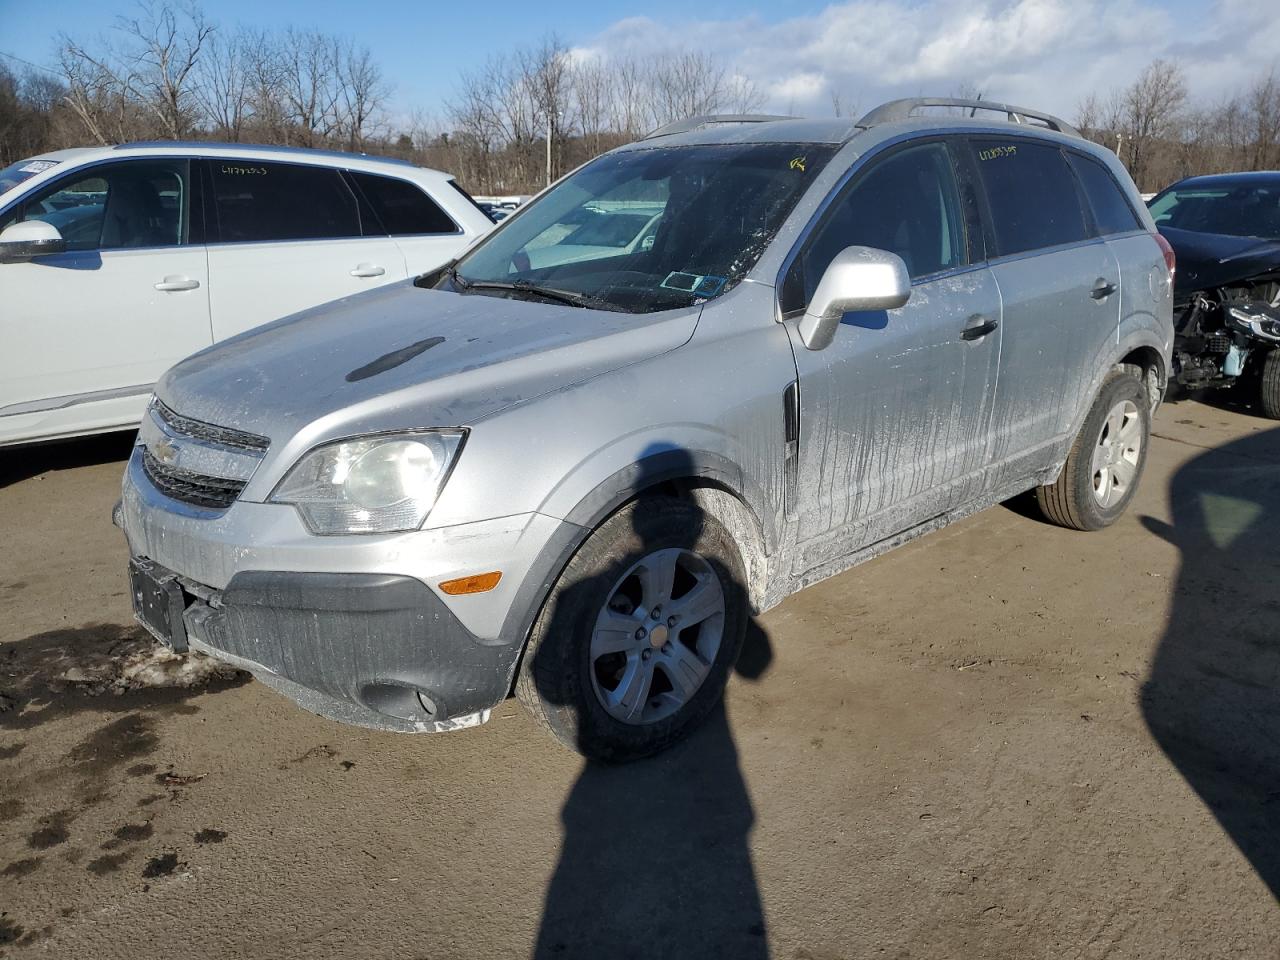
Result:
[{"x": 1002, "y": 740}]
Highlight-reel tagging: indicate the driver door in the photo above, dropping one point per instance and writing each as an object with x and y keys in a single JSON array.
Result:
[
  {"x": 87, "y": 332},
  {"x": 895, "y": 411}
]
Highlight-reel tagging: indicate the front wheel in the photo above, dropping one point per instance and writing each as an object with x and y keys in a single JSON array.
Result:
[
  {"x": 1104, "y": 466},
  {"x": 637, "y": 638},
  {"x": 1269, "y": 384}
]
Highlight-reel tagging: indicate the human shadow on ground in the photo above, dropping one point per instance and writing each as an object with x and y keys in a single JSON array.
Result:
[
  {"x": 656, "y": 859},
  {"x": 1212, "y": 699},
  {"x": 22, "y": 463}
]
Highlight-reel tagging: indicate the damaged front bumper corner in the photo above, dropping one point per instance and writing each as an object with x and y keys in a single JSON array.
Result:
[{"x": 373, "y": 650}]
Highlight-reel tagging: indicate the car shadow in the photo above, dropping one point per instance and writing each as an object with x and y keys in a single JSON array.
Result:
[
  {"x": 1212, "y": 698},
  {"x": 656, "y": 859},
  {"x": 23, "y": 463}
]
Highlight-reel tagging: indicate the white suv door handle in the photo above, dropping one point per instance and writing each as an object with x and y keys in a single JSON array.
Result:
[
  {"x": 175, "y": 282},
  {"x": 368, "y": 270}
]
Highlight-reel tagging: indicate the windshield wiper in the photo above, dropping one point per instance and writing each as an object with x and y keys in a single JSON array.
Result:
[{"x": 570, "y": 297}]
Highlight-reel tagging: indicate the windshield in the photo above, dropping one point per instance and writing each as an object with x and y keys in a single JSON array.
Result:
[
  {"x": 647, "y": 230},
  {"x": 14, "y": 174},
  {"x": 1249, "y": 210}
]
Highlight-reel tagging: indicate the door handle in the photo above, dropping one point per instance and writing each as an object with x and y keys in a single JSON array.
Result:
[
  {"x": 368, "y": 270},
  {"x": 1102, "y": 289},
  {"x": 174, "y": 282},
  {"x": 978, "y": 327}
]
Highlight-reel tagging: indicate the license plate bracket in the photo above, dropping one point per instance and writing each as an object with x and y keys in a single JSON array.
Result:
[{"x": 158, "y": 602}]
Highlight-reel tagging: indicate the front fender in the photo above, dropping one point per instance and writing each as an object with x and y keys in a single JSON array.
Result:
[{"x": 615, "y": 474}]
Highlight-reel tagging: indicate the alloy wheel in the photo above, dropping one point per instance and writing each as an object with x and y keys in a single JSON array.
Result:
[{"x": 657, "y": 636}]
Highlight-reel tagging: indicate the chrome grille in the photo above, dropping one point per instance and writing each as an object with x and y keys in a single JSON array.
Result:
[
  {"x": 197, "y": 462},
  {"x": 193, "y": 488},
  {"x": 199, "y": 430}
]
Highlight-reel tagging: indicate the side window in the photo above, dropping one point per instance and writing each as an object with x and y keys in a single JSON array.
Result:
[
  {"x": 1031, "y": 193},
  {"x": 1111, "y": 211},
  {"x": 906, "y": 203},
  {"x": 402, "y": 207},
  {"x": 138, "y": 203},
  {"x": 255, "y": 200}
]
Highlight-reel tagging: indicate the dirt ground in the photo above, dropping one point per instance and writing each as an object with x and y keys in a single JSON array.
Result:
[{"x": 1003, "y": 740}]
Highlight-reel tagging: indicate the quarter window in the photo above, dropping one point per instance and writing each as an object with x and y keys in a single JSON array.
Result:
[
  {"x": 401, "y": 207},
  {"x": 115, "y": 206},
  {"x": 907, "y": 204},
  {"x": 1031, "y": 193},
  {"x": 1111, "y": 211},
  {"x": 256, "y": 201}
]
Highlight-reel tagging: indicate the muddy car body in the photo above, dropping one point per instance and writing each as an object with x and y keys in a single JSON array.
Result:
[
  {"x": 1225, "y": 231},
  {"x": 842, "y": 336}
]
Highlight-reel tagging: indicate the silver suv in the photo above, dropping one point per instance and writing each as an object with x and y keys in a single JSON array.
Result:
[{"x": 697, "y": 374}]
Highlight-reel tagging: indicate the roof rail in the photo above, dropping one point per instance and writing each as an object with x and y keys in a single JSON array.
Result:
[
  {"x": 299, "y": 151},
  {"x": 903, "y": 109},
  {"x": 711, "y": 119}
]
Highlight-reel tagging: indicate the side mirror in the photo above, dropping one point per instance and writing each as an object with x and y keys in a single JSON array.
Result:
[
  {"x": 20, "y": 242},
  {"x": 859, "y": 278}
]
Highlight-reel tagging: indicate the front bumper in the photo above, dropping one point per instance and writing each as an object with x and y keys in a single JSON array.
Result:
[
  {"x": 353, "y": 628},
  {"x": 375, "y": 650}
]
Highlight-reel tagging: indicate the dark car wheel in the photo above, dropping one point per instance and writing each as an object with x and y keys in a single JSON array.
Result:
[
  {"x": 636, "y": 640},
  {"x": 1106, "y": 461},
  {"x": 1269, "y": 385}
]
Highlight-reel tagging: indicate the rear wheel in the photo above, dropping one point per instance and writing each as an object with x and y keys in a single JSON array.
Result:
[
  {"x": 1106, "y": 461},
  {"x": 1269, "y": 384},
  {"x": 637, "y": 638}
]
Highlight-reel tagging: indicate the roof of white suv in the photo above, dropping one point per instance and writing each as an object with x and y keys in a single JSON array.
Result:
[
  {"x": 168, "y": 148},
  {"x": 60, "y": 160}
]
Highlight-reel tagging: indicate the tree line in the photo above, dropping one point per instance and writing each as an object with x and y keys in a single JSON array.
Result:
[
  {"x": 168, "y": 72},
  {"x": 513, "y": 123},
  {"x": 1162, "y": 134}
]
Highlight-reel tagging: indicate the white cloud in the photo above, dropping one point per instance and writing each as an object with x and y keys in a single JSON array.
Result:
[
  {"x": 804, "y": 87},
  {"x": 1048, "y": 54}
]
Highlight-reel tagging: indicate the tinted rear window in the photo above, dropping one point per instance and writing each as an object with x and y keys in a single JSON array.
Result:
[
  {"x": 1032, "y": 195},
  {"x": 1111, "y": 211},
  {"x": 402, "y": 207},
  {"x": 281, "y": 201}
]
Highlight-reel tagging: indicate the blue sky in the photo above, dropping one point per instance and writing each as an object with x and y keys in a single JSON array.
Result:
[
  {"x": 421, "y": 45},
  {"x": 1045, "y": 53}
]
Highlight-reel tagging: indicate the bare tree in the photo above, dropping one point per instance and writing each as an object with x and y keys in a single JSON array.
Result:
[
  {"x": 741, "y": 95},
  {"x": 545, "y": 71},
  {"x": 630, "y": 113},
  {"x": 362, "y": 95},
  {"x": 1263, "y": 106},
  {"x": 162, "y": 48},
  {"x": 308, "y": 61},
  {"x": 594, "y": 93},
  {"x": 142, "y": 81},
  {"x": 685, "y": 85},
  {"x": 225, "y": 84},
  {"x": 1149, "y": 112}
]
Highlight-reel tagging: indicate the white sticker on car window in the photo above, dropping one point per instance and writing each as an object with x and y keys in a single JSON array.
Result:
[
  {"x": 695, "y": 283},
  {"x": 37, "y": 166}
]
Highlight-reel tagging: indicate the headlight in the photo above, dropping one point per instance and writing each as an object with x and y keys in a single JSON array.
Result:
[{"x": 378, "y": 484}]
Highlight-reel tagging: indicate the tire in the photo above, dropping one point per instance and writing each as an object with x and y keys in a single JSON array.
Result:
[
  {"x": 1100, "y": 476},
  {"x": 1269, "y": 385},
  {"x": 593, "y": 697}
]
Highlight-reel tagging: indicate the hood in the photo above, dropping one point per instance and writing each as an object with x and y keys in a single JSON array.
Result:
[
  {"x": 1207, "y": 260},
  {"x": 401, "y": 357}
]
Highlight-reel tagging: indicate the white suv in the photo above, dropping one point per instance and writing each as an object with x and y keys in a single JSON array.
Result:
[{"x": 116, "y": 262}]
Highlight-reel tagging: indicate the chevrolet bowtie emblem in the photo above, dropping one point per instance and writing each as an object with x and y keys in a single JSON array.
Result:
[{"x": 164, "y": 451}]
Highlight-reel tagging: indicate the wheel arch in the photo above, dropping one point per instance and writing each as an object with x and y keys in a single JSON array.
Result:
[
  {"x": 716, "y": 484},
  {"x": 708, "y": 479},
  {"x": 1152, "y": 370},
  {"x": 1141, "y": 348}
]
